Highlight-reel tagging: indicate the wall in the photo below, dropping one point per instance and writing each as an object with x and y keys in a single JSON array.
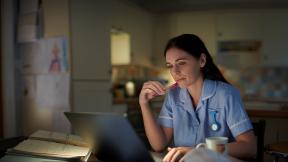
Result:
[
  {"x": 265, "y": 82},
  {"x": 139, "y": 24},
  {"x": 10, "y": 112},
  {"x": 47, "y": 115}
]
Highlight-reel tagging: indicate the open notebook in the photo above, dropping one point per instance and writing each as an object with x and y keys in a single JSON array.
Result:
[{"x": 53, "y": 145}]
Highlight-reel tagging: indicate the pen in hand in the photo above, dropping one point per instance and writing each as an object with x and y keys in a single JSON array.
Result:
[{"x": 167, "y": 88}]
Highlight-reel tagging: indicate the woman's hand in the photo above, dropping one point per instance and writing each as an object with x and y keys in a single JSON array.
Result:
[
  {"x": 176, "y": 154},
  {"x": 150, "y": 90}
]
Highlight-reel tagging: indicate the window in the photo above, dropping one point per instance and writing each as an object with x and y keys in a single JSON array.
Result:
[{"x": 120, "y": 47}]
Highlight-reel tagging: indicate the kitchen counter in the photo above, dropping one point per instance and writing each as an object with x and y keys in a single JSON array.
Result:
[
  {"x": 258, "y": 108},
  {"x": 269, "y": 108},
  {"x": 268, "y": 113}
]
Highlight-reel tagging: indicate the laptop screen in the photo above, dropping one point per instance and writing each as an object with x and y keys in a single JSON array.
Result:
[{"x": 110, "y": 135}]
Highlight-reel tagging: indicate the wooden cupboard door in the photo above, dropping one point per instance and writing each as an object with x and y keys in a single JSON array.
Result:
[
  {"x": 91, "y": 96},
  {"x": 275, "y": 35},
  {"x": 239, "y": 26},
  {"x": 90, "y": 39}
]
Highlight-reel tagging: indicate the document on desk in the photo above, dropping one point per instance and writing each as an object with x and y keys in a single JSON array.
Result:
[
  {"x": 53, "y": 144},
  {"x": 58, "y": 137},
  {"x": 54, "y": 149}
]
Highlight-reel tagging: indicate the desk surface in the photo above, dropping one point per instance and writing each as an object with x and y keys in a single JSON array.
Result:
[
  {"x": 18, "y": 158},
  {"x": 279, "y": 147},
  {"x": 15, "y": 158},
  {"x": 278, "y": 150}
]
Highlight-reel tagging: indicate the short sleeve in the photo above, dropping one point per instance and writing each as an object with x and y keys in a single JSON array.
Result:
[
  {"x": 237, "y": 118},
  {"x": 165, "y": 117}
]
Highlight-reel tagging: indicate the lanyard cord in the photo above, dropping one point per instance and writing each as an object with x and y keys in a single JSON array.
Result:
[{"x": 215, "y": 125}]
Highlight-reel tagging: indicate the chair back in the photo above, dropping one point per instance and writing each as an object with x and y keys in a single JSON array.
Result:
[{"x": 259, "y": 131}]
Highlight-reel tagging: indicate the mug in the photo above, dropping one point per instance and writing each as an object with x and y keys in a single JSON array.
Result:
[{"x": 218, "y": 144}]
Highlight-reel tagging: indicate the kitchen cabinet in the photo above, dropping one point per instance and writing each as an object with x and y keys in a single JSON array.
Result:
[
  {"x": 90, "y": 39},
  {"x": 239, "y": 26},
  {"x": 90, "y": 25},
  {"x": 275, "y": 36},
  {"x": 236, "y": 34},
  {"x": 91, "y": 96},
  {"x": 268, "y": 27}
]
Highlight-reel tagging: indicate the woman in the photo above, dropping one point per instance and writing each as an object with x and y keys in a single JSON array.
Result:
[{"x": 203, "y": 104}]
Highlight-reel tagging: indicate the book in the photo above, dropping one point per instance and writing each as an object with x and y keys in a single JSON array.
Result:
[{"x": 53, "y": 145}]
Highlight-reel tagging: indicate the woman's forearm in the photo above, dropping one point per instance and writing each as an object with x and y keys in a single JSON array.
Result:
[
  {"x": 153, "y": 131},
  {"x": 242, "y": 149}
]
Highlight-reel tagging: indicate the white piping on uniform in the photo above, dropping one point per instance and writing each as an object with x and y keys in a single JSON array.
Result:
[{"x": 243, "y": 121}]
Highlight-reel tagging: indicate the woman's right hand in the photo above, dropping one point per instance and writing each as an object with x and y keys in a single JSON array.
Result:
[
  {"x": 150, "y": 90},
  {"x": 176, "y": 154}
]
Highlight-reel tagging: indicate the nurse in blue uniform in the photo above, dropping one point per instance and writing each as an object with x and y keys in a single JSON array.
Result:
[{"x": 203, "y": 104}]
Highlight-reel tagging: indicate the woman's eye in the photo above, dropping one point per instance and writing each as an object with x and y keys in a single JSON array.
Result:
[
  {"x": 168, "y": 66},
  {"x": 181, "y": 63}
]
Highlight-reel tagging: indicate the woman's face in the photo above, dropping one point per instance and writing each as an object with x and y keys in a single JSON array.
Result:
[{"x": 184, "y": 68}]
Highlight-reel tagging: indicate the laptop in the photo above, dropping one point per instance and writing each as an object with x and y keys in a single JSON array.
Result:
[{"x": 112, "y": 137}]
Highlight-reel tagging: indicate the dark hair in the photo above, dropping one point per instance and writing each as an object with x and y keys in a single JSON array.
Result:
[{"x": 193, "y": 45}]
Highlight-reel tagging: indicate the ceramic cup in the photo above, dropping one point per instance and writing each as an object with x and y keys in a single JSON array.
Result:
[{"x": 218, "y": 144}]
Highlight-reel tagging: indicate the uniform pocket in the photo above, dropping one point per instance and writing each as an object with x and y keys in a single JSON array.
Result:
[
  {"x": 215, "y": 118},
  {"x": 219, "y": 112}
]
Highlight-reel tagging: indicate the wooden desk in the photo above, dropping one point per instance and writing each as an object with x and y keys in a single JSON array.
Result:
[
  {"x": 278, "y": 150},
  {"x": 279, "y": 147},
  {"x": 16, "y": 158}
]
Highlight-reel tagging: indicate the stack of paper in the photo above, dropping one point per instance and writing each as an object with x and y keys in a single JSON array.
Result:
[{"x": 53, "y": 144}]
